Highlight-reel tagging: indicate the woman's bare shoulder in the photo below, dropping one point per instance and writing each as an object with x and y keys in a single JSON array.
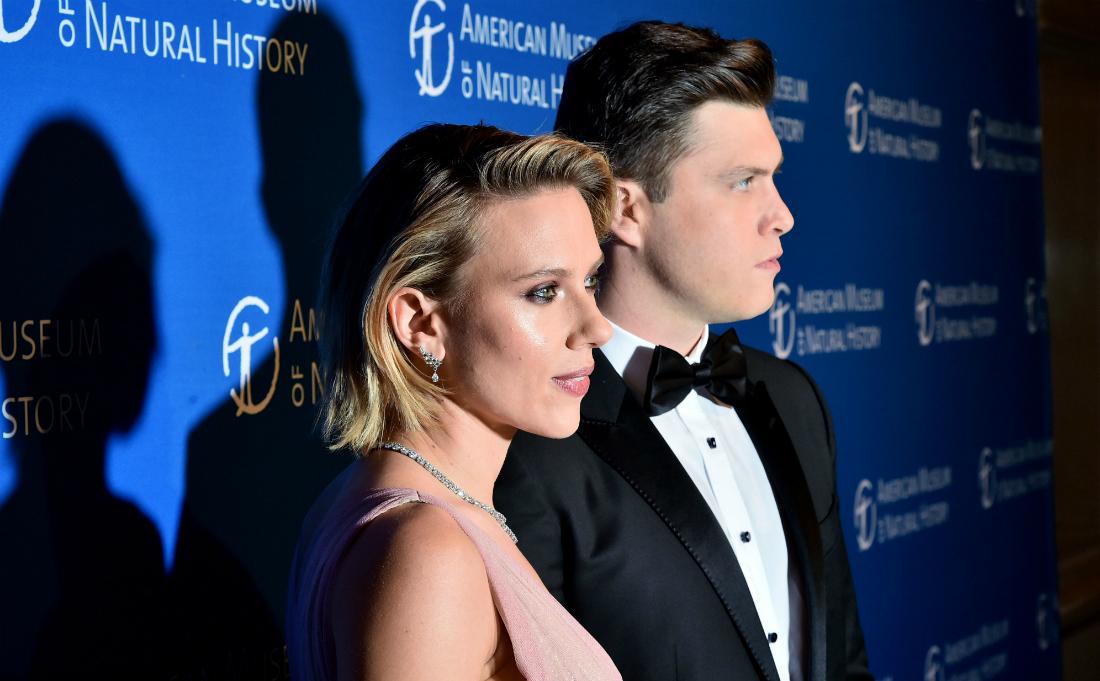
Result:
[{"x": 411, "y": 599}]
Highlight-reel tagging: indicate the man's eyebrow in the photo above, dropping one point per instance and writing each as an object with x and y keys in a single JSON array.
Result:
[{"x": 742, "y": 171}]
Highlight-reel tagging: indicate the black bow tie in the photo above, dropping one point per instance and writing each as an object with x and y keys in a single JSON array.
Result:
[{"x": 721, "y": 371}]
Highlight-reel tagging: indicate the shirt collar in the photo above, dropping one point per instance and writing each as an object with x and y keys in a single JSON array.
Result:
[{"x": 630, "y": 356}]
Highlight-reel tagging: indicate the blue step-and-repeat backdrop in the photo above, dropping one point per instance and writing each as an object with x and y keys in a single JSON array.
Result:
[{"x": 169, "y": 172}]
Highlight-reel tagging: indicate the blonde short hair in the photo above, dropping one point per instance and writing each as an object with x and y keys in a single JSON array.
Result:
[{"x": 413, "y": 223}]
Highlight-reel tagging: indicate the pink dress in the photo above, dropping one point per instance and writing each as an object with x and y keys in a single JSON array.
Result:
[{"x": 548, "y": 644}]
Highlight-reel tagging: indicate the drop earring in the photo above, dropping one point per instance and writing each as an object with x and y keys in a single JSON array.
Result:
[{"x": 432, "y": 362}]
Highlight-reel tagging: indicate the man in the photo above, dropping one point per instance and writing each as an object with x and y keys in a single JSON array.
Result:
[{"x": 691, "y": 524}]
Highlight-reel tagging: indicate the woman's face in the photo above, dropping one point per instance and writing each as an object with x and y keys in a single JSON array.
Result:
[{"x": 520, "y": 351}]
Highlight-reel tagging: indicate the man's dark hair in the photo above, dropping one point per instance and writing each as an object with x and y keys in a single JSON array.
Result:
[{"x": 633, "y": 93}]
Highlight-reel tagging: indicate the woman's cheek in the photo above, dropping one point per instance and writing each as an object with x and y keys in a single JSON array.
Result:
[{"x": 533, "y": 324}]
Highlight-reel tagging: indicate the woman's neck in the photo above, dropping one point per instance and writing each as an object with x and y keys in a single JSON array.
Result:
[{"x": 462, "y": 446}]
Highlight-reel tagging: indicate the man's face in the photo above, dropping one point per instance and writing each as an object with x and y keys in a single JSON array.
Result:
[{"x": 713, "y": 243}]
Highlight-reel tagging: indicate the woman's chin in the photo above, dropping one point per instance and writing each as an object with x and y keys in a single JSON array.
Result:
[{"x": 554, "y": 428}]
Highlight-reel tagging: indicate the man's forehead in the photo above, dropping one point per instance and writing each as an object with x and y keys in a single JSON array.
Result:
[
  {"x": 719, "y": 120},
  {"x": 734, "y": 135}
]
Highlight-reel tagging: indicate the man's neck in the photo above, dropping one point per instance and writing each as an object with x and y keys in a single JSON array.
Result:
[{"x": 644, "y": 308}]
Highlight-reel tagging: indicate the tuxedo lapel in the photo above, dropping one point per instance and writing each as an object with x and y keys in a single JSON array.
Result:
[
  {"x": 792, "y": 495},
  {"x": 616, "y": 428}
]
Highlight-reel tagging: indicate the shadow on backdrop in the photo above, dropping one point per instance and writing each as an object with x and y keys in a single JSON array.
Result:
[
  {"x": 82, "y": 582},
  {"x": 252, "y": 477}
]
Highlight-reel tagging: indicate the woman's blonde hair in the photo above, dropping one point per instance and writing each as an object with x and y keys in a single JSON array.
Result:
[{"x": 414, "y": 223}]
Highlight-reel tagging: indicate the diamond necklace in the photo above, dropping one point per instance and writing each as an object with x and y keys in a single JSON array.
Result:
[{"x": 449, "y": 484}]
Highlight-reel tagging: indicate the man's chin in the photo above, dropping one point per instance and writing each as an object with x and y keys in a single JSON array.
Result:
[{"x": 746, "y": 312}]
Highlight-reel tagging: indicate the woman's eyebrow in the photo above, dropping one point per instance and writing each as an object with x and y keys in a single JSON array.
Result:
[{"x": 545, "y": 272}]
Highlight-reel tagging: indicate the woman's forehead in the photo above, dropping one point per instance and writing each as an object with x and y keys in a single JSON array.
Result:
[{"x": 551, "y": 229}]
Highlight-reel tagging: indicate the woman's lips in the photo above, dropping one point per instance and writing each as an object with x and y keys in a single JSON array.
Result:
[{"x": 575, "y": 383}]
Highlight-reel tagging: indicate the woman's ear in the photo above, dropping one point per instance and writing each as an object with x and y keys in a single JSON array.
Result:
[
  {"x": 417, "y": 321},
  {"x": 632, "y": 211}
]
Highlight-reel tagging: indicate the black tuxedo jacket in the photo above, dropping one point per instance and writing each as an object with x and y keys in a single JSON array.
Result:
[{"x": 623, "y": 538}]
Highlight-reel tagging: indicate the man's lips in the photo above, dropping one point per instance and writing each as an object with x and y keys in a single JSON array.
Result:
[
  {"x": 575, "y": 383},
  {"x": 771, "y": 263}
]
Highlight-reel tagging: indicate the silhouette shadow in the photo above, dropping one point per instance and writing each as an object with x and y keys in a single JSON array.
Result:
[
  {"x": 252, "y": 477},
  {"x": 82, "y": 582}
]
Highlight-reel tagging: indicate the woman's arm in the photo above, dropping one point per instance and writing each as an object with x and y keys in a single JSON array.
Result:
[{"x": 411, "y": 601}]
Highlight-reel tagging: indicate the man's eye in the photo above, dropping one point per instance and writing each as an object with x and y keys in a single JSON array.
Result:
[{"x": 743, "y": 184}]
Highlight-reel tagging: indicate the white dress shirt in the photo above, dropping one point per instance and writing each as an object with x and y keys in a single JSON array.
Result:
[{"x": 715, "y": 449}]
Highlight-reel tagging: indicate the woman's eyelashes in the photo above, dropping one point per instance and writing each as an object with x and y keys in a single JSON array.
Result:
[{"x": 545, "y": 293}]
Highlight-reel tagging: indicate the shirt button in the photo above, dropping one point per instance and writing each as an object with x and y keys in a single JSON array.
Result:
[
  {"x": 746, "y": 537},
  {"x": 773, "y": 637},
  {"x": 712, "y": 443}
]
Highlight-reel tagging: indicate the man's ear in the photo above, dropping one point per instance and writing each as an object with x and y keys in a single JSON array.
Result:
[
  {"x": 633, "y": 212},
  {"x": 418, "y": 321}
]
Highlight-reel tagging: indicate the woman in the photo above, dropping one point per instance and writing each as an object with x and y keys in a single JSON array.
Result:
[{"x": 478, "y": 319}]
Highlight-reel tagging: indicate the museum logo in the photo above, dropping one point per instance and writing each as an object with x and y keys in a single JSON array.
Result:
[
  {"x": 781, "y": 322},
  {"x": 954, "y": 312},
  {"x": 1046, "y": 620},
  {"x": 242, "y": 344},
  {"x": 888, "y": 509},
  {"x": 925, "y": 310},
  {"x": 865, "y": 514},
  {"x": 1014, "y": 471},
  {"x": 976, "y": 135},
  {"x": 423, "y": 31},
  {"x": 13, "y": 35},
  {"x": 855, "y": 117},
  {"x": 987, "y": 478},
  {"x": 884, "y": 125},
  {"x": 1003, "y": 145},
  {"x": 933, "y": 664},
  {"x": 818, "y": 332},
  {"x": 980, "y": 654}
]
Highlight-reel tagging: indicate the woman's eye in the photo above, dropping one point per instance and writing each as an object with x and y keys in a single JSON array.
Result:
[
  {"x": 592, "y": 282},
  {"x": 544, "y": 294}
]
